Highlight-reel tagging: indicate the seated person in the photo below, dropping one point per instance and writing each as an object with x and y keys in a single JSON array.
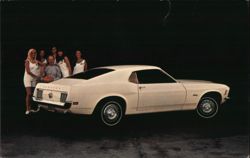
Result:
[{"x": 52, "y": 71}]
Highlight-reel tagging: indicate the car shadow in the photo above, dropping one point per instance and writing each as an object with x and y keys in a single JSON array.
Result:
[{"x": 80, "y": 127}]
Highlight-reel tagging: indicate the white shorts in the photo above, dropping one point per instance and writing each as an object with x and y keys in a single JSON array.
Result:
[{"x": 29, "y": 83}]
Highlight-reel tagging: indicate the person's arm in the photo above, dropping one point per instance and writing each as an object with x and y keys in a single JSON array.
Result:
[
  {"x": 42, "y": 70},
  {"x": 85, "y": 66},
  {"x": 66, "y": 59},
  {"x": 58, "y": 73},
  {"x": 40, "y": 63},
  {"x": 27, "y": 67},
  {"x": 43, "y": 75}
]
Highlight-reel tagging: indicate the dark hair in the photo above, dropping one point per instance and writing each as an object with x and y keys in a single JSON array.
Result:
[
  {"x": 53, "y": 47},
  {"x": 38, "y": 55},
  {"x": 60, "y": 58},
  {"x": 80, "y": 51},
  {"x": 83, "y": 57}
]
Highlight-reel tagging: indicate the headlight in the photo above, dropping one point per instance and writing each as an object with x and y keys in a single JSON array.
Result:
[
  {"x": 39, "y": 94},
  {"x": 63, "y": 97}
]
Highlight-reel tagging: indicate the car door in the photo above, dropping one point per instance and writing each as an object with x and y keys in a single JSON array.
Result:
[{"x": 159, "y": 92}]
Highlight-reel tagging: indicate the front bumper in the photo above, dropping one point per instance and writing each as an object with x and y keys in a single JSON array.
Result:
[{"x": 225, "y": 99}]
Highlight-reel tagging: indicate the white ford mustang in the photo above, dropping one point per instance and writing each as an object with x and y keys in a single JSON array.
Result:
[{"x": 114, "y": 91}]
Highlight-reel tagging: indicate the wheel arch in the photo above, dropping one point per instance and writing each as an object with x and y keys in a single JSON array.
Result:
[
  {"x": 118, "y": 98},
  {"x": 213, "y": 94}
]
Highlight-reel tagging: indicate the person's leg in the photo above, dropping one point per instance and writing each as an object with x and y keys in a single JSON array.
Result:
[
  {"x": 32, "y": 90},
  {"x": 32, "y": 106},
  {"x": 28, "y": 96}
]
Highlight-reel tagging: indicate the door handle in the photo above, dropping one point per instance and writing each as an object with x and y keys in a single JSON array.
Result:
[{"x": 140, "y": 87}]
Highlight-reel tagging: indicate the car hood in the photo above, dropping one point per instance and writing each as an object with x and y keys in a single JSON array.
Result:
[{"x": 193, "y": 81}]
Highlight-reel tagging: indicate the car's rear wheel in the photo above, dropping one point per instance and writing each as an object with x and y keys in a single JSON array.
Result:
[
  {"x": 110, "y": 113},
  {"x": 207, "y": 107}
]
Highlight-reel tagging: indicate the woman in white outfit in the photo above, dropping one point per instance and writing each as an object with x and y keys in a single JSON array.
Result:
[
  {"x": 64, "y": 64},
  {"x": 81, "y": 64},
  {"x": 32, "y": 72}
]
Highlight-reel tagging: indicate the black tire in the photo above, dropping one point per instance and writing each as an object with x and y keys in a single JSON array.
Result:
[
  {"x": 109, "y": 113},
  {"x": 207, "y": 107}
]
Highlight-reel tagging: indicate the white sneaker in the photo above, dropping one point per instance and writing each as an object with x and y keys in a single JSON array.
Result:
[
  {"x": 27, "y": 112},
  {"x": 32, "y": 111}
]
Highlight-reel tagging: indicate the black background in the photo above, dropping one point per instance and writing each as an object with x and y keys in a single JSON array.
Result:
[{"x": 206, "y": 40}]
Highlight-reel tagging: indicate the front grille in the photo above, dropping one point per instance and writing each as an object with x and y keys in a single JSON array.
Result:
[
  {"x": 63, "y": 97},
  {"x": 39, "y": 94}
]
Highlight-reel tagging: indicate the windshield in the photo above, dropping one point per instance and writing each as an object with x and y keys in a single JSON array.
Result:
[{"x": 91, "y": 73}]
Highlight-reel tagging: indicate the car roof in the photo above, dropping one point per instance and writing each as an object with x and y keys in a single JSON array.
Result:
[{"x": 130, "y": 67}]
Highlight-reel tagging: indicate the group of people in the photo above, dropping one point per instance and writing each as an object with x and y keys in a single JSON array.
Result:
[{"x": 57, "y": 65}]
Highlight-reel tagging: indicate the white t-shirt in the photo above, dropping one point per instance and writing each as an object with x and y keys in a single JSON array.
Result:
[
  {"x": 64, "y": 68},
  {"x": 79, "y": 67},
  {"x": 45, "y": 61}
]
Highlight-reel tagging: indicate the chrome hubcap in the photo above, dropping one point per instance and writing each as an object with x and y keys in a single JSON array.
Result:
[
  {"x": 110, "y": 112},
  {"x": 207, "y": 106}
]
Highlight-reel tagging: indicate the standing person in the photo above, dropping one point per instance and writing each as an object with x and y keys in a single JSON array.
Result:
[
  {"x": 52, "y": 71},
  {"x": 81, "y": 64},
  {"x": 63, "y": 63},
  {"x": 42, "y": 56},
  {"x": 31, "y": 74},
  {"x": 54, "y": 53}
]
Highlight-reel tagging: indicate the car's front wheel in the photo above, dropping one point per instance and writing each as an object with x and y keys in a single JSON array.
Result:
[
  {"x": 207, "y": 107},
  {"x": 110, "y": 113}
]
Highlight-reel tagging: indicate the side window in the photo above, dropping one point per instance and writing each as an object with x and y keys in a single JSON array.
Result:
[
  {"x": 153, "y": 76},
  {"x": 133, "y": 78}
]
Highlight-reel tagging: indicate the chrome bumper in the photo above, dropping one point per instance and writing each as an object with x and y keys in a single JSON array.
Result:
[{"x": 52, "y": 106}]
